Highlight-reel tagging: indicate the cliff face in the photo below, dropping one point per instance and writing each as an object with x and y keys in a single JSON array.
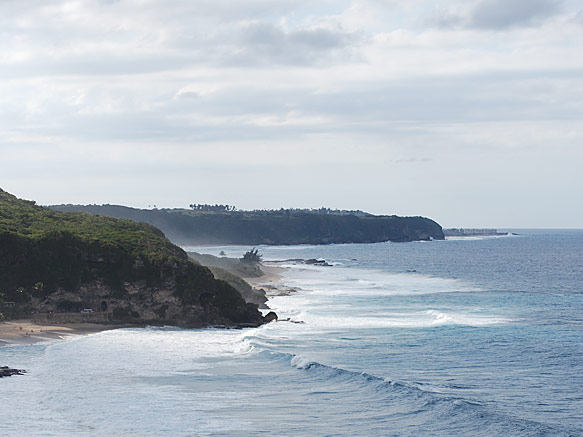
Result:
[
  {"x": 126, "y": 272},
  {"x": 285, "y": 227}
]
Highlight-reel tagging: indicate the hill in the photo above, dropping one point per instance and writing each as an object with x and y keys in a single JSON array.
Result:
[
  {"x": 279, "y": 227},
  {"x": 119, "y": 270}
]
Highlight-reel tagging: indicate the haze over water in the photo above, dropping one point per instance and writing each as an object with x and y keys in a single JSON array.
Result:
[{"x": 456, "y": 337}]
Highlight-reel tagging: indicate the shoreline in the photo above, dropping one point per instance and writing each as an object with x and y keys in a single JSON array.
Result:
[
  {"x": 271, "y": 274},
  {"x": 27, "y": 332},
  {"x": 271, "y": 281}
]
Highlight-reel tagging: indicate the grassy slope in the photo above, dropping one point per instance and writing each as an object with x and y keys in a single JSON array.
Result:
[
  {"x": 25, "y": 219},
  {"x": 233, "y": 270},
  {"x": 63, "y": 251}
]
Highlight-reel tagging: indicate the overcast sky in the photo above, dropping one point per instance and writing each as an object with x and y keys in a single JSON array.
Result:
[{"x": 466, "y": 111}]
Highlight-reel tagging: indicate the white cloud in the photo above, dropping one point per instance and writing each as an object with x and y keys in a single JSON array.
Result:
[{"x": 155, "y": 94}]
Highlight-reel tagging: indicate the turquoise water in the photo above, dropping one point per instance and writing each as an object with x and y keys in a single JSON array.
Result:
[{"x": 456, "y": 337}]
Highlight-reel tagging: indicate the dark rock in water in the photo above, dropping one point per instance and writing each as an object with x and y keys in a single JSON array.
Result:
[
  {"x": 299, "y": 322},
  {"x": 311, "y": 262},
  {"x": 317, "y": 262},
  {"x": 269, "y": 317},
  {"x": 7, "y": 371}
]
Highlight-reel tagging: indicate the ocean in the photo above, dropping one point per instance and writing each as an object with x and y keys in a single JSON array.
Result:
[{"x": 475, "y": 336}]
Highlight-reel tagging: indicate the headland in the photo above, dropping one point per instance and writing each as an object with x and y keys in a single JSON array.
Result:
[{"x": 107, "y": 271}]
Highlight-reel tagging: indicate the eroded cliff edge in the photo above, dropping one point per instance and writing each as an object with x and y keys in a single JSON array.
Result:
[{"x": 118, "y": 271}]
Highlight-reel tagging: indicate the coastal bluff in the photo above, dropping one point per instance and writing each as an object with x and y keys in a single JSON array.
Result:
[
  {"x": 272, "y": 227},
  {"x": 111, "y": 270}
]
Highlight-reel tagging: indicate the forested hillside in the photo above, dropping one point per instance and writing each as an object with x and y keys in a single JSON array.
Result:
[
  {"x": 53, "y": 262},
  {"x": 272, "y": 227}
]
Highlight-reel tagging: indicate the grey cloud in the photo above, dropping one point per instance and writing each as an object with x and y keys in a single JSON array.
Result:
[
  {"x": 264, "y": 43},
  {"x": 157, "y": 39},
  {"x": 228, "y": 10},
  {"x": 371, "y": 108},
  {"x": 412, "y": 160},
  {"x": 314, "y": 39},
  {"x": 96, "y": 64},
  {"x": 471, "y": 98},
  {"x": 445, "y": 19},
  {"x": 504, "y": 14},
  {"x": 496, "y": 14}
]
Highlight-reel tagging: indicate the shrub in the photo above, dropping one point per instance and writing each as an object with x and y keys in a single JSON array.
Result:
[{"x": 252, "y": 256}]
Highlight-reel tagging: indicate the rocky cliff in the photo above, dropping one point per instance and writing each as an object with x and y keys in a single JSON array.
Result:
[
  {"x": 53, "y": 262},
  {"x": 189, "y": 227}
]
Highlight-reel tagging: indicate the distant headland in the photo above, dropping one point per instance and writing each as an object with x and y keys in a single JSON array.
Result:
[
  {"x": 224, "y": 224},
  {"x": 60, "y": 267}
]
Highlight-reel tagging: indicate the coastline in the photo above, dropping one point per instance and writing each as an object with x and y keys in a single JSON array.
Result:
[
  {"x": 271, "y": 274},
  {"x": 26, "y": 331},
  {"x": 271, "y": 280}
]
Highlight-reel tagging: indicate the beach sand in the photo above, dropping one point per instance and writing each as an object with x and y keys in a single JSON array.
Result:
[
  {"x": 29, "y": 332},
  {"x": 271, "y": 274},
  {"x": 271, "y": 281}
]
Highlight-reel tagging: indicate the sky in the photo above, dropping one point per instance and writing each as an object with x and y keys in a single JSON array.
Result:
[{"x": 466, "y": 111}]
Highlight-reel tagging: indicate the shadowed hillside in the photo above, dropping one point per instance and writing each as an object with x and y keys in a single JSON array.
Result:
[
  {"x": 272, "y": 227},
  {"x": 54, "y": 262}
]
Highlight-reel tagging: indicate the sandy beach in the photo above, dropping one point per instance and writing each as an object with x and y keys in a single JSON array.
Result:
[
  {"x": 29, "y": 332},
  {"x": 270, "y": 281},
  {"x": 272, "y": 274}
]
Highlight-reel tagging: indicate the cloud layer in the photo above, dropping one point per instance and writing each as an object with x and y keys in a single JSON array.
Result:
[
  {"x": 497, "y": 14},
  {"x": 396, "y": 107}
]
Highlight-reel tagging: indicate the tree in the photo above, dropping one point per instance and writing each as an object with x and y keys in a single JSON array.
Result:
[{"x": 252, "y": 257}]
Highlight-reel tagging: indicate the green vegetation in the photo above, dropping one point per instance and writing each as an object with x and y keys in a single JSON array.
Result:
[
  {"x": 212, "y": 208},
  {"x": 24, "y": 219},
  {"x": 69, "y": 305},
  {"x": 284, "y": 226},
  {"x": 45, "y": 253},
  {"x": 42, "y": 250},
  {"x": 233, "y": 270},
  {"x": 252, "y": 256}
]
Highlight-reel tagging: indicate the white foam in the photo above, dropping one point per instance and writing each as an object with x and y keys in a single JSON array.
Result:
[
  {"x": 467, "y": 319},
  {"x": 424, "y": 319},
  {"x": 344, "y": 298},
  {"x": 300, "y": 362},
  {"x": 346, "y": 280}
]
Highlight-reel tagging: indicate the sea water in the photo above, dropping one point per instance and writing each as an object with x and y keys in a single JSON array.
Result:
[{"x": 459, "y": 337}]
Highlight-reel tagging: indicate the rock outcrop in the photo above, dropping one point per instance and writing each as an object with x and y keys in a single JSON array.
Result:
[
  {"x": 7, "y": 371},
  {"x": 270, "y": 317},
  {"x": 232, "y": 270},
  {"x": 118, "y": 271}
]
